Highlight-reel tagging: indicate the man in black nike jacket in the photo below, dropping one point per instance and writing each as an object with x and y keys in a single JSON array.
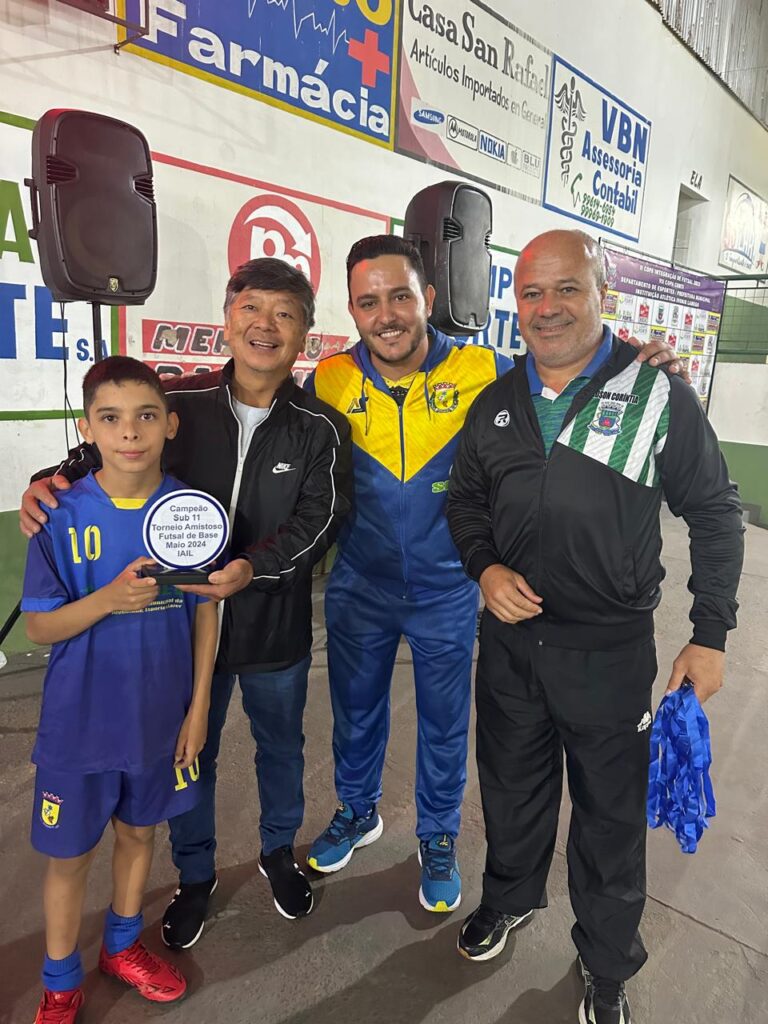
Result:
[{"x": 554, "y": 505}]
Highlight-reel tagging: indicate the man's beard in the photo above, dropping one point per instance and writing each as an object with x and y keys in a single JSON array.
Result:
[{"x": 392, "y": 359}]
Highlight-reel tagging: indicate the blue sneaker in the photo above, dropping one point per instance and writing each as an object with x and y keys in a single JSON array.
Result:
[
  {"x": 333, "y": 850},
  {"x": 440, "y": 879}
]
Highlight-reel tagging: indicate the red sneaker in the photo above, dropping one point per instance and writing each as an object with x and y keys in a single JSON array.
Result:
[
  {"x": 59, "y": 1007},
  {"x": 152, "y": 977}
]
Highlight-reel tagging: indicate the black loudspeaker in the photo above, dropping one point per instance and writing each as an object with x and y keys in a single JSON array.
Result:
[
  {"x": 93, "y": 208},
  {"x": 450, "y": 224}
]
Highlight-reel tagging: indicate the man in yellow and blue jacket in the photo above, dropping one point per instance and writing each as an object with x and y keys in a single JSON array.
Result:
[{"x": 406, "y": 390}]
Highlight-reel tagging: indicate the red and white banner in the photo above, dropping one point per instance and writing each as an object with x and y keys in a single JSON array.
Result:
[{"x": 210, "y": 221}]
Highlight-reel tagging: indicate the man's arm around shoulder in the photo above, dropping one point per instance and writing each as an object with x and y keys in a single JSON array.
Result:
[
  {"x": 42, "y": 487},
  {"x": 41, "y": 493}
]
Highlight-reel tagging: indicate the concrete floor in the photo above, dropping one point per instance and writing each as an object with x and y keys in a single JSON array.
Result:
[{"x": 369, "y": 952}]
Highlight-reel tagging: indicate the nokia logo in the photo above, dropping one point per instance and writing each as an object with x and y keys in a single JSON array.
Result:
[{"x": 493, "y": 147}]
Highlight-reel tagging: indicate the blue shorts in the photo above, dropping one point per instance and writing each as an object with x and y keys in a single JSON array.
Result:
[{"x": 71, "y": 811}]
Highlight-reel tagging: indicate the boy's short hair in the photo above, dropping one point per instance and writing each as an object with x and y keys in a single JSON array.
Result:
[
  {"x": 269, "y": 274},
  {"x": 373, "y": 246},
  {"x": 119, "y": 370}
]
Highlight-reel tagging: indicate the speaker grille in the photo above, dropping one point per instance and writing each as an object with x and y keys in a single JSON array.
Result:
[
  {"x": 97, "y": 213},
  {"x": 451, "y": 229},
  {"x": 145, "y": 186},
  {"x": 452, "y": 222},
  {"x": 58, "y": 171}
]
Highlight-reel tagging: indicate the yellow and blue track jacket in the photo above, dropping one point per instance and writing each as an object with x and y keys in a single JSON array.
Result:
[{"x": 397, "y": 535}]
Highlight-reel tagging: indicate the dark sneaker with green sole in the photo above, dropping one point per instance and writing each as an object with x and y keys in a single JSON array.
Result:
[
  {"x": 484, "y": 933},
  {"x": 605, "y": 1001}
]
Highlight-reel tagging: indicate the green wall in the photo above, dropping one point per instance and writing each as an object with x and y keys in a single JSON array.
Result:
[
  {"x": 744, "y": 339},
  {"x": 748, "y": 466},
  {"x": 13, "y": 552},
  {"x": 744, "y": 327}
]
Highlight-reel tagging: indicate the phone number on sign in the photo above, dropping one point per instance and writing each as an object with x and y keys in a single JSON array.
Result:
[{"x": 598, "y": 211}]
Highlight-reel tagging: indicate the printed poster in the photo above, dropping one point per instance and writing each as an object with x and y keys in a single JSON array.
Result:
[
  {"x": 655, "y": 301},
  {"x": 180, "y": 329},
  {"x": 332, "y": 61},
  {"x": 474, "y": 94},
  {"x": 745, "y": 231},
  {"x": 597, "y": 155}
]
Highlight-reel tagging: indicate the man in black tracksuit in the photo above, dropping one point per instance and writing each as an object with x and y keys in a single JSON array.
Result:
[
  {"x": 280, "y": 461},
  {"x": 554, "y": 506}
]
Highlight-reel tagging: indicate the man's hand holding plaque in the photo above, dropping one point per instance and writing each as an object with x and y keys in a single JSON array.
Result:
[{"x": 235, "y": 576}]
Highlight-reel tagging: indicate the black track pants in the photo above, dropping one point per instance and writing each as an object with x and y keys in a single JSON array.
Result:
[{"x": 533, "y": 702}]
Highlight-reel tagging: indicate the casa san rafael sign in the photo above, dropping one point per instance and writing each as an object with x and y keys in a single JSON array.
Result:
[{"x": 474, "y": 94}]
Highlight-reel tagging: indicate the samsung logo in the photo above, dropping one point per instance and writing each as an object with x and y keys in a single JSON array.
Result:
[{"x": 427, "y": 116}]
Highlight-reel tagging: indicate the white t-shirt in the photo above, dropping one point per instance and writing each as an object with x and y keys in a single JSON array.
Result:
[{"x": 250, "y": 417}]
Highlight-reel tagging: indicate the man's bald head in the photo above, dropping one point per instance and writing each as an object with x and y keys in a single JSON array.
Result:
[
  {"x": 559, "y": 290},
  {"x": 561, "y": 240}
]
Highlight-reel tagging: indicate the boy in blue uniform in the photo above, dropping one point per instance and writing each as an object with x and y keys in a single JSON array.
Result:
[{"x": 125, "y": 703}]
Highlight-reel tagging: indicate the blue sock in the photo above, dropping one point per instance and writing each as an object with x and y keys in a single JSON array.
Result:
[
  {"x": 62, "y": 975},
  {"x": 121, "y": 932}
]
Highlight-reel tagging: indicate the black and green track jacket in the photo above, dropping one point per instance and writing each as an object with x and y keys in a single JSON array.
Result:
[{"x": 582, "y": 526}]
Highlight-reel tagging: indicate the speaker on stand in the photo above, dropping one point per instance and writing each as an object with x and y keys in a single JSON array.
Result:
[
  {"x": 450, "y": 223},
  {"x": 93, "y": 211}
]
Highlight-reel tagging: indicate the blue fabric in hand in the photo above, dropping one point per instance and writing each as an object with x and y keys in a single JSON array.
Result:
[{"x": 680, "y": 794}]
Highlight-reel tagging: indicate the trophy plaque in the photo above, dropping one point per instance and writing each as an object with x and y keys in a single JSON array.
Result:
[{"x": 185, "y": 532}]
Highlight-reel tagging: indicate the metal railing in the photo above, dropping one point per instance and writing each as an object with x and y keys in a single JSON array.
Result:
[
  {"x": 731, "y": 38},
  {"x": 744, "y": 324}
]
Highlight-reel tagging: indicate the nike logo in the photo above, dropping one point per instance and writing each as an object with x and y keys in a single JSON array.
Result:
[{"x": 283, "y": 467}]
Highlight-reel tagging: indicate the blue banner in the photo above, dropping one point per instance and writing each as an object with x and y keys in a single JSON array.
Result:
[{"x": 332, "y": 61}]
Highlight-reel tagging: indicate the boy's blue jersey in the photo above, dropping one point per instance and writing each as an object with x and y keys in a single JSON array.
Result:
[{"x": 115, "y": 696}]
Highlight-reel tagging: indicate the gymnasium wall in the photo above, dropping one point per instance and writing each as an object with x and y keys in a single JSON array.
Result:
[{"x": 293, "y": 127}]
